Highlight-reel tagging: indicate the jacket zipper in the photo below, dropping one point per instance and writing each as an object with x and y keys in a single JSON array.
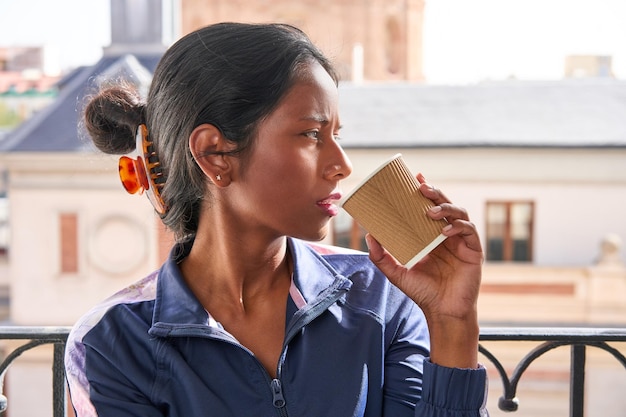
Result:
[
  {"x": 277, "y": 391},
  {"x": 278, "y": 400},
  {"x": 277, "y": 397}
]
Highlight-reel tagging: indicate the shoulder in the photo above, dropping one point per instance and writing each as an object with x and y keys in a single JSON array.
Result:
[
  {"x": 134, "y": 295},
  {"x": 352, "y": 264},
  {"x": 100, "y": 325},
  {"x": 324, "y": 249},
  {"x": 370, "y": 288}
]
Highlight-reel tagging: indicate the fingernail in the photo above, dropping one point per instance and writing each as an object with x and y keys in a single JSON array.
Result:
[{"x": 435, "y": 209}]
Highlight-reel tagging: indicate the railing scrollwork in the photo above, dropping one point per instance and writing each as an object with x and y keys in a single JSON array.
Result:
[
  {"x": 577, "y": 338},
  {"x": 38, "y": 336}
]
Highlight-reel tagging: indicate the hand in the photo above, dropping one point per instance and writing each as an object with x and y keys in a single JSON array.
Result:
[{"x": 445, "y": 283}]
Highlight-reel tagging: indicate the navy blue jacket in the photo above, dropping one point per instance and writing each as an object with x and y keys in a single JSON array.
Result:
[{"x": 354, "y": 346}]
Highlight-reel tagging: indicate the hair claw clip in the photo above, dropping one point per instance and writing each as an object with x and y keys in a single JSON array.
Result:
[{"x": 143, "y": 173}]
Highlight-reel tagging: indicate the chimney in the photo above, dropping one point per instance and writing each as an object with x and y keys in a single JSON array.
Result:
[
  {"x": 357, "y": 63},
  {"x": 588, "y": 66},
  {"x": 136, "y": 27}
]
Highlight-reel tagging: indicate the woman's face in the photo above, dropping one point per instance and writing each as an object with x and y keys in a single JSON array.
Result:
[{"x": 289, "y": 183}]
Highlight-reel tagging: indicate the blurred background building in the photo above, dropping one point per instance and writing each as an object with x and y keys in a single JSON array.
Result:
[
  {"x": 375, "y": 40},
  {"x": 25, "y": 85}
]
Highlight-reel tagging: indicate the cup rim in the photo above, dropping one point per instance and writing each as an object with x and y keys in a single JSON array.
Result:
[{"x": 367, "y": 178}]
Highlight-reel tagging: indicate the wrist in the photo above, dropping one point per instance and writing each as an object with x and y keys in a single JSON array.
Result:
[{"x": 454, "y": 341}]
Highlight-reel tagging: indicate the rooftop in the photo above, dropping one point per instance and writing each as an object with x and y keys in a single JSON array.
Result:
[
  {"x": 571, "y": 113},
  {"x": 567, "y": 113},
  {"x": 56, "y": 128}
]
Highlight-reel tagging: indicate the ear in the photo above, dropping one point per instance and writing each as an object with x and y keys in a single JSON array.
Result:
[{"x": 204, "y": 141}]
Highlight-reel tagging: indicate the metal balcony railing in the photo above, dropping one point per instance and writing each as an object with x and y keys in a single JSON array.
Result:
[
  {"x": 37, "y": 336},
  {"x": 578, "y": 339}
]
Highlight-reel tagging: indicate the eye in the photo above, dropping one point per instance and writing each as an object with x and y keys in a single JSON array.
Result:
[
  {"x": 317, "y": 135},
  {"x": 313, "y": 134}
]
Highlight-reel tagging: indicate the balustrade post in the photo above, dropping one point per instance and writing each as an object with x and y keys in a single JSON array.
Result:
[
  {"x": 577, "y": 380},
  {"x": 59, "y": 403}
]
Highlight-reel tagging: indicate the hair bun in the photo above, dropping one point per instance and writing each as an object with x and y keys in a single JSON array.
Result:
[{"x": 112, "y": 117}]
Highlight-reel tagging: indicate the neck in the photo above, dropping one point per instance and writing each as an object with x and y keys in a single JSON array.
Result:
[{"x": 236, "y": 272}]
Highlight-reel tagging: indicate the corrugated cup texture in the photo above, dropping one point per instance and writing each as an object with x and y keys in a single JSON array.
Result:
[{"x": 390, "y": 206}]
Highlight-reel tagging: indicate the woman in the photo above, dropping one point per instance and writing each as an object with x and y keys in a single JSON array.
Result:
[{"x": 239, "y": 139}]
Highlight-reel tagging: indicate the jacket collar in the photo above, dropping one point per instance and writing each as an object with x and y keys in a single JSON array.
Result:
[
  {"x": 176, "y": 306},
  {"x": 313, "y": 275}
]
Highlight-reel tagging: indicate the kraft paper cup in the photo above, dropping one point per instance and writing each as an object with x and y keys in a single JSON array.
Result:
[{"x": 389, "y": 205}]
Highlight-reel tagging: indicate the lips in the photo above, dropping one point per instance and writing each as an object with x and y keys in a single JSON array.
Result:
[
  {"x": 331, "y": 199},
  {"x": 329, "y": 205}
]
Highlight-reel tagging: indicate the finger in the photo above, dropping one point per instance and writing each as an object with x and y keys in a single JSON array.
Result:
[
  {"x": 466, "y": 230},
  {"x": 430, "y": 192},
  {"x": 383, "y": 259},
  {"x": 448, "y": 211},
  {"x": 375, "y": 249}
]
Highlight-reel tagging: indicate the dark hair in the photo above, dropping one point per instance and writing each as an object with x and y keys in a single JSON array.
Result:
[{"x": 231, "y": 75}]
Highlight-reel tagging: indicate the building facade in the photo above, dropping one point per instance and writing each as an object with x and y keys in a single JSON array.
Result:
[{"x": 367, "y": 39}]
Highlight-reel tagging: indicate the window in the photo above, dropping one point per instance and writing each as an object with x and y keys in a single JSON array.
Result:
[
  {"x": 347, "y": 233},
  {"x": 509, "y": 231},
  {"x": 68, "y": 225}
]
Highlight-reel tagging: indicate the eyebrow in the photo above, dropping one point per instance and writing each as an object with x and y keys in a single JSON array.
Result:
[
  {"x": 320, "y": 119},
  {"x": 314, "y": 118}
]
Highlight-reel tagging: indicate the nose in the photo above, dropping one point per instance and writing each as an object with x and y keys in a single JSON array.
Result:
[{"x": 340, "y": 166}]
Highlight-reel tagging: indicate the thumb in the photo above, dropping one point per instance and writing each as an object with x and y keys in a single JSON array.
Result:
[
  {"x": 383, "y": 259},
  {"x": 376, "y": 250}
]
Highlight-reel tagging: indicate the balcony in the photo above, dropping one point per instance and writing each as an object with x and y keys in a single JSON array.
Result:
[
  {"x": 544, "y": 340},
  {"x": 579, "y": 341}
]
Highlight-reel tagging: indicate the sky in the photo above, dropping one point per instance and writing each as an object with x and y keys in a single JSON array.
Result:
[
  {"x": 75, "y": 31},
  {"x": 474, "y": 40},
  {"x": 465, "y": 41}
]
